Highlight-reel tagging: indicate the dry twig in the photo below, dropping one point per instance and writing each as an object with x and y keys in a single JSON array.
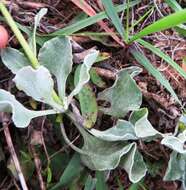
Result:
[{"x": 5, "y": 120}]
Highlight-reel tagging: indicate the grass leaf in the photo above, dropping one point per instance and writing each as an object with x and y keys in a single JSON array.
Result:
[
  {"x": 149, "y": 67},
  {"x": 89, "y": 21},
  {"x": 112, "y": 14},
  {"x": 174, "y": 5},
  {"x": 165, "y": 57},
  {"x": 162, "y": 24}
]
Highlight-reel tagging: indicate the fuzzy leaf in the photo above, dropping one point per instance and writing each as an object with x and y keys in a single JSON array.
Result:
[
  {"x": 99, "y": 154},
  {"x": 124, "y": 95},
  {"x": 14, "y": 59},
  {"x": 142, "y": 126},
  {"x": 122, "y": 131},
  {"x": 56, "y": 56},
  {"x": 176, "y": 143},
  {"x": 175, "y": 167},
  {"x": 106, "y": 155},
  {"x": 38, "y": 84},
  {"x": 134, "y": 165},
  {"x": 84, "y": 73},
  {"x": 21, "y": 116},
  {"x": 37, "y": 20}
]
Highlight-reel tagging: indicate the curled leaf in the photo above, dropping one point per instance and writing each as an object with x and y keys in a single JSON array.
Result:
[
  {"x": 134, "y": 165},
  {"x": 124, "y": 95},
  {"x": 176, "y": 143},
  {"x": 84, "y": 73},
  {"x": 21, "y": 116},
  {"x": 142, "y": 126},
  {"x": 122, "y": 131}
]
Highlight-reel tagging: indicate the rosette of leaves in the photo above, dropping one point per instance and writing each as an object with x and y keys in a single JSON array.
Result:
[
  {"x": 55, "y": 57},
  {"x": 102, "y": 150},
  {"x": 176, "y": 169}
]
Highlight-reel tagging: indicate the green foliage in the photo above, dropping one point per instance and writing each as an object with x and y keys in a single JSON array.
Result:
[
  {"x": 11, "y": 55},
  {"x": 21, "y": 116},
  {"x": 57, "y": 51},
  {"x": 124, "y": 86},
  {"x": 88, "y": 103},
  {"x": 101, "y": 150},
  {"x": 165, "y": 57},
  {"x": 162, "y": 24},
  {"x": 110, "y": 11},
  {"x": 140, "y": 57}
]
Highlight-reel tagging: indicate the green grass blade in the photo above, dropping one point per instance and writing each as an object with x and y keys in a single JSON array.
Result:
[
  {"x": 174, "y": 5},
  {"x": 165, "y": 57},
  {"x": 149, "y": 67},
  {"x": 162, "y": 24},
  {"x": 146, "y": 14},
  {"x": 89, "y": 21},
  {"x": 112, "y": 14}
]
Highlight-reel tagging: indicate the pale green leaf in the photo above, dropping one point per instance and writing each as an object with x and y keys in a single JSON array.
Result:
[
  {"x": 21, "y": 116},
  {"x": 37, "y": 20},
  {"x": 122, "y": 131},
  {"x": 103, "y": 155},
  {"x": 176, "y": 143},
  {"x": 56, "y": 56},
  {"x": 124, "y": 95},
  {"x": 14, "y": 59},
  {"x": 134, "y": 165},
  {"x": 175, "y": 167},
  {"x": 142, "y": 126},
  {"x": 38, "y": 84},
  {"x": 84, "y": 73}
]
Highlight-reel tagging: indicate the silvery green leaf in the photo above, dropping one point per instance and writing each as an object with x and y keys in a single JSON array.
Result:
[
  {"x": 37, "y": 20},
  {"x": 142, "y": 126},
  {"x": 84, "y": 73},
  {"x": 14, "y": 59},
  {"x": 122, "y": 131},
  {"x": 175, "y": 143},
  {"x": 175, "y": 167},
  {"x": 21, "y": 116},
  {"x": 102, "y": 155},
  {"x": 56, "y": 56},
  {"x": 124, "y": 95},
  {"x": 38, "y": 84},
  {"x": 134, "y": 165}
]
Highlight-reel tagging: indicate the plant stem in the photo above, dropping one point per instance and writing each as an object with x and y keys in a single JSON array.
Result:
[
  {"x": 19, "y": 35},
  {"x": 24, "y": 44},
  {"x": 127, "y": 22}
]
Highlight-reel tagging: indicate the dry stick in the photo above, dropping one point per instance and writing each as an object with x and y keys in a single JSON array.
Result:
[
  {"x": 5, "y": 120},
  {"x": 91, "y": 12},
  {"x": 38, "y": 167}
]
